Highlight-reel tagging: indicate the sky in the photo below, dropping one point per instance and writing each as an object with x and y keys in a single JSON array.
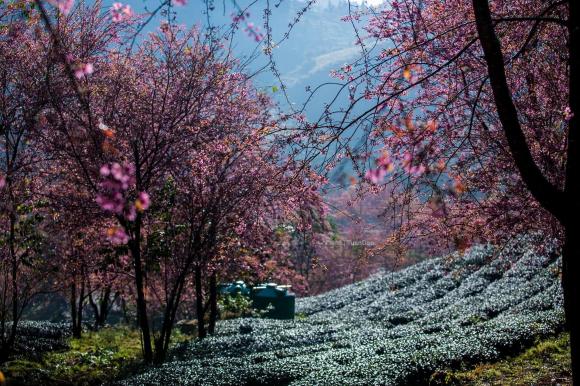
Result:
[{"x": 319, "y": 43}]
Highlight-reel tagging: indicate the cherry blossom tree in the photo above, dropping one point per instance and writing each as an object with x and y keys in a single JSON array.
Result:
[
  {"x": 136, "y": 117},
  {"x": 467, "y": 111},
  {"x": 235, "y": 190},
  {"x": 133, "y": 124},
  {"x": 22, "y": 69}
]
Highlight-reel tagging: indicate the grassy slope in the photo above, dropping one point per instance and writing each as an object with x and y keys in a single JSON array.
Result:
[
  {"x": 546, "y": 363},
  {"x": 96, "y": 358}
]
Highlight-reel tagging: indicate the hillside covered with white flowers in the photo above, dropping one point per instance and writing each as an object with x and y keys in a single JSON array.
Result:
[{"x": 391, "y": 329}]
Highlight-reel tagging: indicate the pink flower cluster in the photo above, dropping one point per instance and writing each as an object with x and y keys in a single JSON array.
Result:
[
  {"x": 568, "y": 114},
  {"x": 237, "y": 18},
  {"x": 63, "y": 6},
  {"x": 117, "y": 180},
  {"x": 83, "y": 69},
  {"x": 384, "y": 165},
  {"x": 251, "y": 29},
  {"x": 2, "y": 181},
  {"x": 117, "y": 236},
  {"x": 411, "y": 168},
  {"x": 120, "y": 12},
  {"x": 437, "y": 206},
  {"x": 254, "y": 31}
]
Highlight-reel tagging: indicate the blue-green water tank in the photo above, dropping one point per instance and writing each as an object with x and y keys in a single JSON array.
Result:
[
  {"x": 277, "y": 299},
  {"x": 238, "y": 287}
]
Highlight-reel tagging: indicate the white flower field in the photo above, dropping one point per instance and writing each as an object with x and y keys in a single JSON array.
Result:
[{"x": 391, "y": 329}]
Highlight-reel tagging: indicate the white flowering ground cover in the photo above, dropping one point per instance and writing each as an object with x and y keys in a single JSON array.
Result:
[
  {"x": 391, "y": 329},
  {"x": 36, "y": 337}
]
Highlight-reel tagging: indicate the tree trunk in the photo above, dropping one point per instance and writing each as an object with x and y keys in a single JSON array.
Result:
[
  {"x": 80, "y": 306},
  {"x": 563, "y": 205},
  {"x": 77, "y": 307},
  {"x": 125, "y": 312},
  {"x": 199, "y": 303},
  {"x": 571, "y": 285},
  {"x": 159, "y": 356},
  {"x": 73, "y": 307},
  {"x": 571, "y": 250},
  {"x": 212, "y": 303},
  {"x": 167, "y": 325},
  {"x": 135, "y": 247},
  {"x": 101, "y": 307},
  {"x": 14, "y": 261}
]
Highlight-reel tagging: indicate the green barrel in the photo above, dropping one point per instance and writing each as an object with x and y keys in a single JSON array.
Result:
[{"x": 279, "y": 302}]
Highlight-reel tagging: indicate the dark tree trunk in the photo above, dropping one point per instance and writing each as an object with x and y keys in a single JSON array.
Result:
[
  {"x": 571, "y": 285},
  {"x": 14, "y": 262},
  {"x": 563, "y": 205},
  {"x": 142, "y": 318},
  {"x": 212, "y": 303},
  {"x": 160, "y": 353},
  {"x": 167, "y": 325},
  {"x": 164, "y": 338},
  {"x": 101, "y": 307},
  {"x": 73, "y": 306},
  {"x": 77, "y": 307},
  {"x": 125, "y": 312},
  {"x": 201, "y": 333},
  {"x": 78, "y": 329},
  {"x": 571, "y": 251}
]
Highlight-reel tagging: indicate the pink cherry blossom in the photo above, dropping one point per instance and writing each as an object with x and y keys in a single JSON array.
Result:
[
  {"x": 130, "y": 213},
  {"x": 124, "y": 260},
  {"x": 121, "y": 12},
  {"x": 568, "y": 114},
  {"x": 143, "y": 201},
  {"x": 83, "y": 69},
  {"x": 63, "y": 6},
  {"x": 117, "y": 179},
  {"x": 375, "y": 175},
  {"x": 117, "y": 236}
]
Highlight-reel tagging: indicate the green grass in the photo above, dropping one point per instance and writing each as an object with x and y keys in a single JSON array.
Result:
[
  {"x": 546, "y": 363},
  {"x": 96, "y": 358}
]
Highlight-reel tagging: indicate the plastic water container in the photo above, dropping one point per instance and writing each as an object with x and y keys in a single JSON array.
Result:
[{"x": 277, "y": 299}]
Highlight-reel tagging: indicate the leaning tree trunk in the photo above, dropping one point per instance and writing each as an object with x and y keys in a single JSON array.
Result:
[
  {"x": 571, "y": 285},
  {"x": 563, "y": 205},
  {"x": 571, "y": 251},
  {"x": 101, "y": 306}
]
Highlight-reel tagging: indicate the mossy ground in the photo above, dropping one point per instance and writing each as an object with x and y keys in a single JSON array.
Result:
[
  {"x": 96, "y": 358},
  {"x": 546, "y": 363}
]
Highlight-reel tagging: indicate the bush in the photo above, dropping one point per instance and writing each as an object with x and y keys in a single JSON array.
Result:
[{"x": 234, "y": 306}]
